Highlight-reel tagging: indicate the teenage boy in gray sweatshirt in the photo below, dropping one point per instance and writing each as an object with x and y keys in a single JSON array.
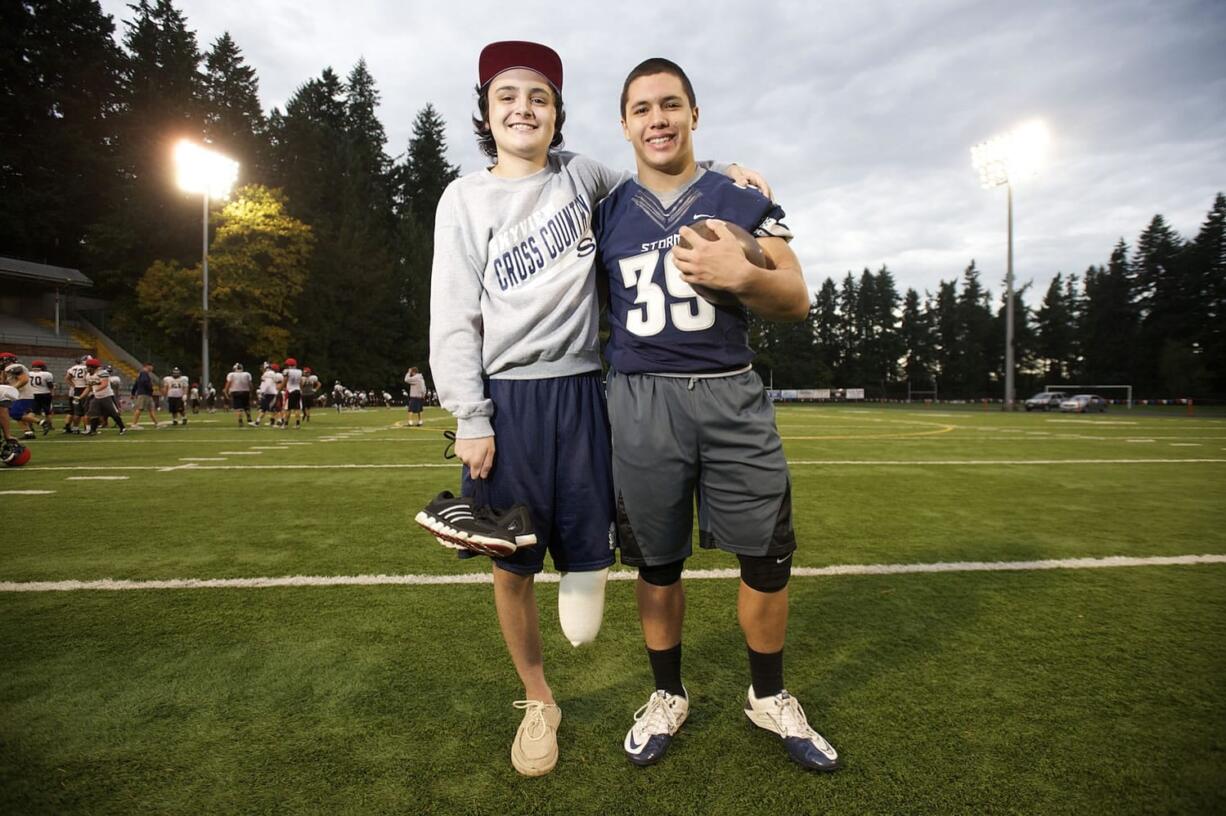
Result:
[{"x": 516, "y": 358}]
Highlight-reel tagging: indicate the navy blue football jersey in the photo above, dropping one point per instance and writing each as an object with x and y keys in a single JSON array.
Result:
[{"x": 659, "y": 324}]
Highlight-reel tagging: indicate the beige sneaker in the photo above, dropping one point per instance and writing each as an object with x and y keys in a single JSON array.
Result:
[{"x": 535, "y": 750}]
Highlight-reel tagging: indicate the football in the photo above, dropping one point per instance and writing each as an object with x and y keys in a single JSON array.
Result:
[{"x": 749, "y": 245}]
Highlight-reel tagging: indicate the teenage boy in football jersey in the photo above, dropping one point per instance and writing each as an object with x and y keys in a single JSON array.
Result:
[
  {"x": 690, "y": 419},
  {"x": 513, "y": 344}
]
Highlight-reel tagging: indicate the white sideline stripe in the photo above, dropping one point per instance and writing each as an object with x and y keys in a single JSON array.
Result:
[
  {"x": 202, "y": 458},
  {"x": 98, "y": 478},
  {"x": 615, "y": 575},
  {"x": 826, "y": 462},
  {"x": 26, "y": 492}
]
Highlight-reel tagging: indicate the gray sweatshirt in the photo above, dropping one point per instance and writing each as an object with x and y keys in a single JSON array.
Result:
[{"x": 512, "y": 294}]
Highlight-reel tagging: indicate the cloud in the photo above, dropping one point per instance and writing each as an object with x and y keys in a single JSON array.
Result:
[{"x": 861, "y": 114}]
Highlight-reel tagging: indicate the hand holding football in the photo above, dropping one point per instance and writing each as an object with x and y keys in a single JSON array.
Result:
[{"x": 706, "y": 260}]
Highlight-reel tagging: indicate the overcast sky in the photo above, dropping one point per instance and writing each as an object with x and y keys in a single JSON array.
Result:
[{"x": 861, "y": 114}]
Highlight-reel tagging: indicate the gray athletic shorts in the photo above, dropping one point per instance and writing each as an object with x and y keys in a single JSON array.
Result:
[
  {"x": 714, "y": 440},
  {"x": 144, "y": 402}
]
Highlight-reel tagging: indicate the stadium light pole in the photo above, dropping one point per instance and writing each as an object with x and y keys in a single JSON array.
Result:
[
  {"x": 1006, "y": 160},
  {"x": 209, "y": 173}
]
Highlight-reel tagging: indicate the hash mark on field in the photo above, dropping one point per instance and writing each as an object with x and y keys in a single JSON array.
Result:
[
  {"x": 1185, "y": 444},
  {"x": 240, "y": 453},
  {"x": 26, "y": 492},
  {"x": 1138, "y": 440},
  {"x": 616, "y": 575},
  {"x": 202, "y": 458},
  {"x": 98, "y": 478},
  {"x": 268, "y": 447}
]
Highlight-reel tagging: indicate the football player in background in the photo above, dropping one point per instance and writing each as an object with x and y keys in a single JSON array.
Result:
[
  {"x": 237, "y": 391},
  {"x": 690, "y": 418},
  {"x": 293, "y": 393},
  {"x": 174, "y": 389},
  {"x": 17, "y": 376},
  {"x": 103, "y": 403},
  {"x": 77, "y": 377},
  {"x": 270, "y": 389},
  {"x": 310, "y": 387},
  {"x": 42, "y": 384}
]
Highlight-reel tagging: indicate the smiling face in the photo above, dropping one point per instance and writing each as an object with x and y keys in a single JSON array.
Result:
[
  {"x": 522, "y": 115},
  {"x": 657, "y": 121}
]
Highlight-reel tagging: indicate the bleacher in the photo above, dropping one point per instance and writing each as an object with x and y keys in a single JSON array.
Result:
[{"x": 37, "y": 340}]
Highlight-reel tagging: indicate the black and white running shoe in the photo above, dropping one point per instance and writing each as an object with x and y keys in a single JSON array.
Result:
[{"x": 458, "y": 523}]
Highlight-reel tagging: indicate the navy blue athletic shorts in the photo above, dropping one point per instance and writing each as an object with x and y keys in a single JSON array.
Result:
[{"x": 552, "y": 453}]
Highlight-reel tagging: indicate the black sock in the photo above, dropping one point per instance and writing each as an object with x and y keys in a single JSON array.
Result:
[
  {"x": 766, "y": 672},
  {"x": 666, "y": 667}
]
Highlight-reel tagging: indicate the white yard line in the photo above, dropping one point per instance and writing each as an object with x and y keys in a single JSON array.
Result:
[
  {"x": 98, "y": 478},
  {"x": 794, "y": 462},
  {"x": 26, "y": 492},
  {"x": 241, "y": 453},
  {"x": 202, "y": 458},
  {"x": 616, "y": 575}
]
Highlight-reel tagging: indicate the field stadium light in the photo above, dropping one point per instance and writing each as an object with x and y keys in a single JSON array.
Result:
[
  {"x": 211, "y": 174},
  {"x": 1005, "y": 160}
]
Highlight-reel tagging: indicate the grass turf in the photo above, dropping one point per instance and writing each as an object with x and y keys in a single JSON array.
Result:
[{"x": 1094, "y": 691}]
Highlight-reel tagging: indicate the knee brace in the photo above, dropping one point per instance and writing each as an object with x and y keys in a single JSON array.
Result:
[
  {"x": 662, "y": 575},
  {"x": 765, "y": 573}
]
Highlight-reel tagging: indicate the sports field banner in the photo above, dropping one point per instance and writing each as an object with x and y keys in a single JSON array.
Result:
[
  {"x": 808, "y": 394},
  {"x": 855, "y": 393},
  {"x": 822, "y": 393},
  {"x": 788, "y": 394}
]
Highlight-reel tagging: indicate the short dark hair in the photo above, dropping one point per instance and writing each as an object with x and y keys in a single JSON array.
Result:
[
  {"x": 656, "y": 65},
  {"x": 481, "y": 124}
]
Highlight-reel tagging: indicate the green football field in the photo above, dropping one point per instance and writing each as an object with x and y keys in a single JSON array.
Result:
[{"x": 1030, "y": 687}]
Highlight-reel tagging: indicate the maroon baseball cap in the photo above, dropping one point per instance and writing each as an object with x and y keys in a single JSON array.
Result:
[{"x": 504, "y": 56}]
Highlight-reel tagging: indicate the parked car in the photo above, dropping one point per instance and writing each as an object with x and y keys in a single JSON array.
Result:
[
  {"x": 1045, "y": 401},
  {"x": 1084, "y": 404}
]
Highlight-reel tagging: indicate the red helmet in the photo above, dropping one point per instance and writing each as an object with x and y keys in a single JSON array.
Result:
[
  {"x": 291, "y": 362},
  {"x": 92, "y": 362},
  {"x": 14, "y": 454},
  {"x": 275, "y": 367},
  {"x": 38, "y": 364},
  {"x": 307, "y": 370},
  {"x": 7, "y": 355}
]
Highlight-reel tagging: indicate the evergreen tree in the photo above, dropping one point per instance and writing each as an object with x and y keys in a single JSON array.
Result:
[
  {"x": 945, "y": 318},
  {"x": 850, "y": 338},
  {"x": 420, "y": 183},
  {"x": 162, "y": 103},
  {"x": 1166, "y": 299},
  {"x": 826, "y": 331},
  {"x": 1206, "y": 262},
  {"x": 1110, "y": 323},
  {"x": 1056, "y": 330},
  {"x": 916, "y": 339},
  {"x": 978, "y": 336},
  {"x": 234, "y": 122},
  {"x": 59, "y": 88}
]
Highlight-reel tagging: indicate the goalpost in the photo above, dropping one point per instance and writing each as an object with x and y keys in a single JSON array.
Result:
[{"x": 1074, "y": 389}]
